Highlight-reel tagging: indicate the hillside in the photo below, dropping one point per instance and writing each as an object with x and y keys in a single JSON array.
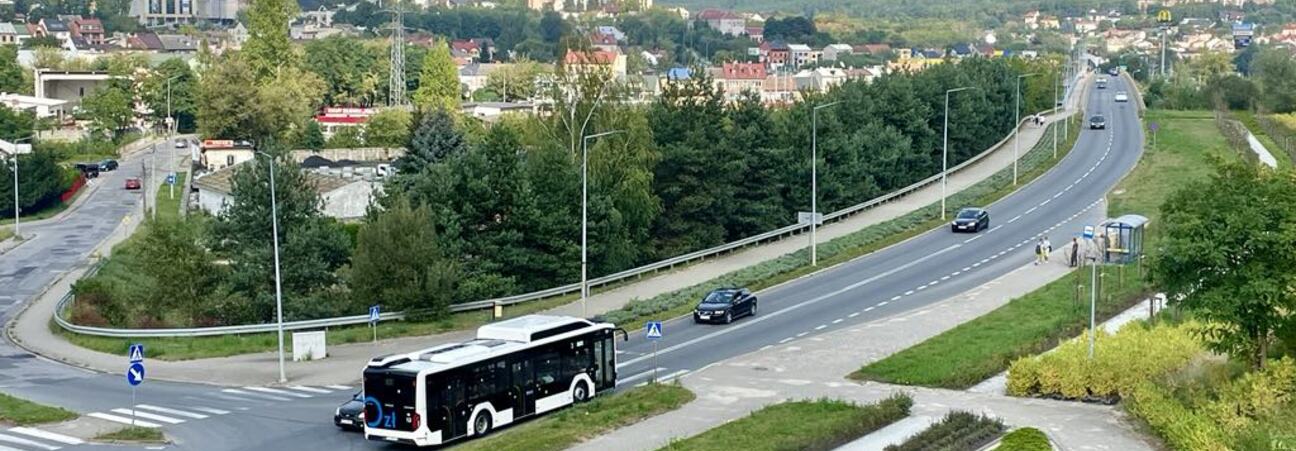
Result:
[{"x": 979, "y": 10}]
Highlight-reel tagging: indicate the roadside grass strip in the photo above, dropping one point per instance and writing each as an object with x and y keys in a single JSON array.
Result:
[
  {"x": 1025, "y": 439},
  {"x": 23, "y": 413},
  {"x": 133, "y": 435},
  {"x": 801, "y": 425},
  {"x": 957, "y": 430},
  {"x": 582, "y": 422},
  {"x": 983, "y": 347}
]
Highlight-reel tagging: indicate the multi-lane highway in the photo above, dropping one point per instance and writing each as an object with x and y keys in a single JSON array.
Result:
[{"x": 910, "y": 275}]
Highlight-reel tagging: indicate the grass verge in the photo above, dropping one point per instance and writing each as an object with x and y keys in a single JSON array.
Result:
[
  {"x": 801, "y": 425},
  {"x": 585, "y": 421},
  {"x": 23, "y": 412},
  {"x": 1034, "y": 163},
  {"x": 168, "y": 202},
  {"x": 6, "y": 233},
  {"x": 1249, "y": 120},
  {"x": 133, "y": 434},
  {"x": 958, "y": 430}
]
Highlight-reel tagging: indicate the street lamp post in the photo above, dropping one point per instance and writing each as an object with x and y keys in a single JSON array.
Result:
[
  {"x": 1017, "y": 122},
  {"x": 274, "y": 229},
  {"x": 945, "y": 148},
  {"x": 169, "y": 125},
  {"x": 585, "y": 216},
  {"x": 14, "y": 157},
  {"x": 1056, "y": 106},
  {"x": 814, "y": 180}
]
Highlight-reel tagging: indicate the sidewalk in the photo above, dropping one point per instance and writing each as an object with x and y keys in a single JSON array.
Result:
[
  {"x": 345, "y": 361},
  {"x": 815, "y": 367}
]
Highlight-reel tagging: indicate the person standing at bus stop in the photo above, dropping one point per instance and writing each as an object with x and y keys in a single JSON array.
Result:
[{"x": 1075, "y": 251}]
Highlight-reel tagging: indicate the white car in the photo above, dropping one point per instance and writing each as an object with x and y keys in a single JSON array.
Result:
[{"x": 1122, "y": 97}]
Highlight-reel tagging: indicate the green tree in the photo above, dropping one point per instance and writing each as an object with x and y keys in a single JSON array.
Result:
[
  {"x": 179, "y": 97},
  {"x": 1275, "y": 72},
  {"x": 11, "y": 74},
  {"x": 40, "y": 182},
  {"x": 388, "y": 128},
  {"x": 109, "y": 108},
  {"x": 345, "y": 138},
  {"x": 16, "y": 124},
  {"x": 438, "y": 80},
  {"x": 1226, "y": 254},
  {"x": 312, "y": 247},
  {"x": 227, "y": 100},
  {"x": 435, "y": 139},
  {"x": 268, "y": 47},
  {"x": 515, "y": 82},
  {"x": 345, "y": 65},
  {"x": 400, "y": 264},
  {"x": 313, "y": 137},
  {"x": 285, "y": 103},
  {"x": 180, "y": 270}
]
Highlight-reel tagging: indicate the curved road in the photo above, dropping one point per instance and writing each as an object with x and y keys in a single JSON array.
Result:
[{"x": 921, "y": 271}]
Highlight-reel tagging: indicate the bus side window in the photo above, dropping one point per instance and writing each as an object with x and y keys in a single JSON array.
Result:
[
  {"x": 577, "y": 359},
  {"x": 546, "y": 368},
  {"x": 482, "y": 382},
  {"x": 522, "y": 373}
]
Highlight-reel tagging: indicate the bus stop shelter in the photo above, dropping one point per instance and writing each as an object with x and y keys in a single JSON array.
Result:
[{"x": 1123, "y": 239}]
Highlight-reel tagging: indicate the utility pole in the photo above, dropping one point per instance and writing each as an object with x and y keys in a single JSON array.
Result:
[
  {"x": 1056, "y": 108},
  {"x": 945, "y": 148},
  {"x": 1017, "y": 123},
  {"x": 1093, "y": 304},
  {"x": 274, "y": 230},
  {"x": 585, "y": 217}
]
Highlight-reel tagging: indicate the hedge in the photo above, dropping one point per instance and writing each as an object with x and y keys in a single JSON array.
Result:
[
  {"x": 1137, "y": 353},
  {"x": 1025, "y": 439},
  {"x": 819, "y": 425},
  {"x": 959, "y": 430}
]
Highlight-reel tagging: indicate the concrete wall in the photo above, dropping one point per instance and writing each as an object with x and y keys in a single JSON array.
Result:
[
  {"x": 350, "y": 201},
  {"x": 70, "y": 90},
  {"x": 217, "y": 159},
  {"x": 211, "y": 201},
  {"x": 355, "y": 154}
]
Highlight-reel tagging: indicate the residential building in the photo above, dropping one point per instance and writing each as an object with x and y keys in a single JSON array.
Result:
[
  {"x": 611, "y": 31},
  {"x": 163, "y": 12},
  {"x": 332, "y": 119},
  {"x": 465, "y": 48},
  {"x": 493, "y": 111},
  {"x": 90, "y": 29},
  {"x": 779, "y": 90},
  {"x": 42, "y": 107},
  {"x": 596, "y": 60},
  {"x": 734, "y": 79},
  {"x": 911, "y": 60},
  {"x": 802, "y": 55},
  {"x": 774, "y": 54},
  {"x": 55, "y": 28},
  {"x": 9, "y": 34},
  {"x": 756, "y": 33},
  {"x": 874, "y": 49},
  {"x": 724, "y": 21},
  {"x": 473, "y": 76},
  {"x": 217, "y": 154},
  {"x": 833, "y": 51},
  {"x": 605, "y": 42},
  {"x": 820, "y": 79},
  {"x": 341, "y": 198},
  {"x": 69, "y": 86},
  {"x": 178, "y": 43}
]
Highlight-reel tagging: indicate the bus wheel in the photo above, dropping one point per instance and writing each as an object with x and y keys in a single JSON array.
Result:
[
  {"x": 483, "y": 424},
  {"x": 580, "y": 393}
]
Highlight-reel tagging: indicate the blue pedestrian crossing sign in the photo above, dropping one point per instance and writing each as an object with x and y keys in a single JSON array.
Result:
[
  {"x": 171, "y": 178},
  {"x": 136, "y": 353},
  {"x": 135, "y": 374},
  {"x": 654, "y": 330},
  {"x": 373, "y": 313}
]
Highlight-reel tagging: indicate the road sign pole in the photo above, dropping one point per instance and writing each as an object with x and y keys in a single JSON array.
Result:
[
  {"x": 132, "y": 405},
  {"x": 654, "y": 361}
]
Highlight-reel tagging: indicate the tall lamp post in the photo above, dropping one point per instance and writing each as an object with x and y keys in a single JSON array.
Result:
[
  {"x": 1056, "y": 106},
  {"x": 170, "y": 126},
  {"x": 1017, "y": 122},
  {"x": 585, "y": 216},
  {"x": 14, "y": 157},
  {"x": 274, "y": 229},
  {"x": 814, "y": 180},
  {"x": 945, "y": 147}
]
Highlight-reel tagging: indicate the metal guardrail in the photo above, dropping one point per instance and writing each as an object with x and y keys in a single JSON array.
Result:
[{"x": 542, "y": 294}]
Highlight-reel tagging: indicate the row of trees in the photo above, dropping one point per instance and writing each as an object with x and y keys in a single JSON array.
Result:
[{"x": 1259, "y": 77}]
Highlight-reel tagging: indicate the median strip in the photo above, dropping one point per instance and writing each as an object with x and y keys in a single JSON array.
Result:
[{"x": 801, "y": 425}]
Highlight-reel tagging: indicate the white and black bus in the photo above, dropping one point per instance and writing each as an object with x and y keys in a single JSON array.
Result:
[{"x": 515, "y": 369}]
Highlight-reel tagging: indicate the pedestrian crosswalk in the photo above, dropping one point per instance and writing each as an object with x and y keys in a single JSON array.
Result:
[{"x": 202, "y": 406}]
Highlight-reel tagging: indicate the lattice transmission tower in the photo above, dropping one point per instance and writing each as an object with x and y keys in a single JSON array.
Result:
[{"x": 396, "y": 79}]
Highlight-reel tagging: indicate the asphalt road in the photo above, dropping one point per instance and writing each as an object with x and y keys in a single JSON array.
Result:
[{"x": 910, "y": 275}]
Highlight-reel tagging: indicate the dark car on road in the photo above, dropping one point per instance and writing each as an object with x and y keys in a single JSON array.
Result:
[
  {"x": 971, "y": 220},
  {"x": 88, "y": 170},
  {"x": 724, "y": 305},
  {"x": 350, "y": 415},
  {"x": 1097, "y": 122},
  {"x": 108, "y": 165}
]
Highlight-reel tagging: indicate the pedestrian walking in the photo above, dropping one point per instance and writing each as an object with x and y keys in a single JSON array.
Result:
[
  {"x": 1048, "y": 249},
  {"x": 1039, "y": 252},
  {"x": 1075, "y": 252}
]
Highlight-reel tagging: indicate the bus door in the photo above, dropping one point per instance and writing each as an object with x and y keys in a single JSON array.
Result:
[
  {"x": 605, "y": 363},
  {"x": 522, "y": 389},
  {"x": 456, "y": 407},
  {"x": 438, "y": 412}
]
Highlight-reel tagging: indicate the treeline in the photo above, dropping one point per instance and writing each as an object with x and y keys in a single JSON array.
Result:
[{"x": 1258, "y": 78}]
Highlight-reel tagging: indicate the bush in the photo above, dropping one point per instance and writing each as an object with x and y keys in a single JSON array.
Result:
[
  {"x": 1137, "y": 353},
  {"x": 1025, "y": 439},
  {"x": 957, "y": 431},
  {"x": 1255, "y": 395},
  {"x": 1180, "y": 427}
]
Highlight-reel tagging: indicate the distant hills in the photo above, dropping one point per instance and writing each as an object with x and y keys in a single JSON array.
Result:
[{"x": 954, "y": 9}]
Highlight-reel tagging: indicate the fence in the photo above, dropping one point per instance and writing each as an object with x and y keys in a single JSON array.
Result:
[
  {"x": 1235, "y": 133},
  {"x": 1281, "y": 135},
  {"x": 669, "y": 263}
]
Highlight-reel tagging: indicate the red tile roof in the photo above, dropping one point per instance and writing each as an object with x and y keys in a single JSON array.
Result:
[
  {"x": 592, "y": 57},
  {"x": 743, "y": 71},
  {"x": 717, "y": 14}
]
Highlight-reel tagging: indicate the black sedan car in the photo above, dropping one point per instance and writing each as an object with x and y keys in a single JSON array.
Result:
[
  {"x": 971, "y": 220},
  {"x": 1097, "y": 122},
  {"x": 725, "y": 304},
  {"x": 108, "y": 165},
  {"x": 350, "y": 415}
]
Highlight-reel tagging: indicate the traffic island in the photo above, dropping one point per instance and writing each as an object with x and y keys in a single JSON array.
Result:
[
  {"x": 806, "y": 425},
  {"x": 23, "y": 412},
  {"x": 133, "y": 435}
]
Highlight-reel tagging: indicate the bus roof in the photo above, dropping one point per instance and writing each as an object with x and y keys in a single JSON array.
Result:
[{"x": 492, "y": 339}]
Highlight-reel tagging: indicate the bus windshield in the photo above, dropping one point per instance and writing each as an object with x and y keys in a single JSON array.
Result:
[{"x": 394, "y": 395}]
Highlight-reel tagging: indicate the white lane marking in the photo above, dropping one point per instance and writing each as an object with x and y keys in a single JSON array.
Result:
[
  {"x": 148, "y": 416},
  {"x": 310, "y": 389},
  {"x": 895, "y": 298},
  {"x": 48, "y": 435},
  {"x": 6, "y": 448},
  {"x": 802, "y": 334},
  {"x": 338, "y": 387},
  {"x": 762, "y": 348},
  {"x": 852, "y": 315},
  {"x": 123, "y": 420},
  {"x": 946, "y": 277},
  {"x": 25, "y": 442},
  {"x": 934, "y": 282},
  {"x": 924, "y": 287},
  {"x": 785, "y": 340},
  {"x": 235, "y": 391},
  {"x": 838, "y": 320},
  {"x": 1059, "y": 194},
  {"x": 1046, "y": 201},
  {"x": 639, "y": 376},
  {"x": 1014, "y": 219},
  {"x": 995, "y": 228},
  {"x": 882, "y": 303},
  {"x": 785, "y": 310},
  {"x": 210, "y": 410},
  {"x": 821, "y": 327},
  {"x": 956, "y": 273},
  {"x": 1032, "y": 210},
  {"x": 671, "y": 376},
  {"x": 275, "y": 391},
  {"x": 196, "y": 416},
  {"x": 969, "y": 240},
  {"x": 909, "y": 292},
  {"x": 967, "y": 268}
]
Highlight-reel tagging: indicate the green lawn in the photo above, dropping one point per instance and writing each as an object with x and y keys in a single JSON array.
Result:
[
  {"x": 582, "y": 422},
  {"x": 6, "y": 233},
  {"x": 168, "y": 201},
  {"x": 22, "y": 412},
  {"x": 983, "y": 347},
  {"x": 133, "y": 434},
  {"x": 799, "y": 425}
]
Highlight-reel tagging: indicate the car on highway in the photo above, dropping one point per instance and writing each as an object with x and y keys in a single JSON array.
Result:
[
  {"x": 1097, "y": 122},
  {"x": 180, "y": 144},
  {"x": 723, "y": 305},
  {"x": 133, "y": 183},
  {"x": 108, "y": 165},
  {"x": 1121, "y": 96},
  {"x": 1102, "y": 83},
  {"x": 971, "y": 220},
  {"x": 1114, "y": 71},
  {"x": 350, "y": 415}
]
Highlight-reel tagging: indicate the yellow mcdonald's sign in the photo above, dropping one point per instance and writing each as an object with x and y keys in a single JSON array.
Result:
[{"x": 1163, "y": 16}]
